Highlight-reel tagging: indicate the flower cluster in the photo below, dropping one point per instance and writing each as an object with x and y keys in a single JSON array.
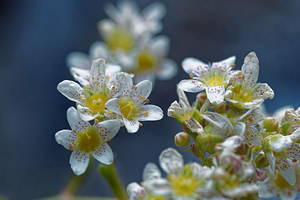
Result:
[
  {"x": 129, "y": 40},
  {"x": 107, "y": 96}
]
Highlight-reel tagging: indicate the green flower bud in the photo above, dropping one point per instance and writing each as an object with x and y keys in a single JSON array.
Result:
[
  {"x": 182, "y": 139},
  {"x": 201, "y": 97},
  {"x": 208, "y": 142},
  {"x": 270, "y": 124},
  {"x": 261, "y": 161},
  {"x": 222, "y": 107}
]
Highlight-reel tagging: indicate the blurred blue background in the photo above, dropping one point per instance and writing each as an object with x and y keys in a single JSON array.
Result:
[{"x": 36, "y": 36}]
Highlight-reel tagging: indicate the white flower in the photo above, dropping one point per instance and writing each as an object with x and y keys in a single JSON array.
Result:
[
  {"x": 245, "y": 93},
  {"x": 85, "y": 140},
  {"x": 213, "y": 79},
  {"x": 101, "y": 86},
  {"x": 130, "y": 104}
]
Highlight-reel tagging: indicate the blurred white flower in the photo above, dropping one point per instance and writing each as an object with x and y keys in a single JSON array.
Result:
[{"x": 85, "y": 140}]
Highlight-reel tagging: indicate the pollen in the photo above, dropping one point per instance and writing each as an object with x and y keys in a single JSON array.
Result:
[
  {"x": 77, "y": 74},
  {"x": 146, "y": 61},
  {"x": 184, "y": 185},
  {"x": 145, "y": 113},
  {"x": 88, "y": 140},
  {"x": 241, "y": 94},
  {"x": 203, "y": 75},
  {"x": 128, "y": 109},
  {"x": 96, "y": 103},
  {"x": 107, "y": 77},
  {"x": 140, "y": 124},
  {"x": 233, "y": 66},
  {"x": 191, "y": 76},
  {"x": 120, "y": 40},
  {"x": 96, "y": 121},
  {"x": 222, "y": 70},
  {"x": 109, "y": 112},
  {"x": 141, "y": 97},
  {"x": 214, "y": 80},
  {"x": 108, "y": 139}
]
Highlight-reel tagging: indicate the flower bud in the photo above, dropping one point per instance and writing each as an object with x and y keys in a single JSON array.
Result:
[
  {"x": 270, "y": 124},
  {"x": 201, "y": 97},
  {"x": 222, "y": 107},
  {"x": 208, "y": 142},
  {"x": 261, "y": 161},
  {"x": 182, "y": 139}
]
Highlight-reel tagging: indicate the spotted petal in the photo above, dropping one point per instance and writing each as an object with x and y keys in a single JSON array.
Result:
[
  {"x": 253, "y": 118},
  {"x": 215, "y": 94},
  {"x": 97, "y": 75},
  {"x": 250, "y": 68},
  {"x": 79, "y": 162},
  {"x": 71, "y": 90},
  {"x": 85, "y": 113},
  {"x": 168, "y": 69},
  {"x": 190, "y": 65},
  {"x": 104, "y": 154},
  {"x": 75, "y": 122},
  {"x": 65, "y": 138},
  {"x": 131, "y": 126},
  {"x": 191, "y": 85},
  {"x": 253, "y": 136},
  {"x": 142, "y": 91},
  {"x": 171, "y": 161},
  {"x": 81, "y": 75},
  {"x": 113, "y": 106},
  {"x": 294, "y": 151},
  {"x": 150, "y": 113},
  {"x": 78, "y": 60},
  {"x": 108, "y": 128},
  {"x": 280, "y": 142},
  {"x": 126, "y": 80},
  {"x": 286, "y": 170},
  {"x": 151, "y": 172},
  {"x": 135, "y": 191},
  {"x": 224, "y": 65}
]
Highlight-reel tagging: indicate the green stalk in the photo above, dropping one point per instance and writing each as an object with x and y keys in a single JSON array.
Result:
[{"x": 109, "y": 172}]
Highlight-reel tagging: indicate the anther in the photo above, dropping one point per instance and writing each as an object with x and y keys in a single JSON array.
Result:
[
  {"x": 191, "y": 76},
  {"x": 107, "y": 77},
  {"x": 233, "y": 66},
  {"x": 147, "y": 101},
  {"x": 96, "y": 121},
  {"x": 146, "y": 113},
  {"x": 141, "y": 97},
  {"x": 140, "y": 124},
  {"x": 222, "y": 70},
  {"x": 134, "y": 87},
  {"x": 108, "y": 139}
]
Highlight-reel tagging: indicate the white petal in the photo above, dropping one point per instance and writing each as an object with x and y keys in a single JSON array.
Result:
[
  {"x": 142, "y": 91},
  {"x": 265, "y": 91},
  {"x": 286, "y": 170},
  {"x": 191, "y": 85},
  {"x": 171, "y": 161},
  {"x": 290, "y": 195},
  {"x": 131, "y": 126},
  {"x": 126, "y": 80},
  {"x": 192, "y": 64},
  {"x": 109, "y": 128},
  {"x": 253, "y": 118},
  {"x": 280, "y": 142},
  {"x": 99, "y": 50},
  {"x": 71, "y": 90},
  {"x": 264, "y": 190},
  {"x": 106, "y": 27},
  {"x": 97, "y": 75},
  {"x": 154, "y": 11},
  {"x": 295, "y": 135},
  {"x": 65, "y": 138},
  {"x": 81, "y": 75},
  {"x": 225, "y": 64},
  {"x": 168, "y": 69},
  {"x": 250, "y": 68},
  {"x": 112, "y": 69},
  {"x": 75, "y": 122},
  {"x": 158, "y": 187},
  {"x": 160, "y": 45},
  {"x": 135, "y": 191},
  {"x": 113, "y": 106},
  {"x": 104, "y": 154},
  {"x": 271, "y": 160},
  {"x": 294, "y": 151},
  {"x": 78, "y": 60},
  {"x": 79, "y": 162},
  {"x": 253, "y": 136},
  {"x": 150, "y": 113},
  {"x": 151, "y": 172},
  {"x": 215, "y": 94},
  {"x": 85, "y": 113},
  {"x": 239, "y": 129}
]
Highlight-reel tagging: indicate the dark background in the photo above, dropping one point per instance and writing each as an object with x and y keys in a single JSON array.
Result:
[{"x": 36, "y": 36}]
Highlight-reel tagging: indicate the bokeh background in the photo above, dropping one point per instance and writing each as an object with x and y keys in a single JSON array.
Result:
[{"x": 36, "y": 36}]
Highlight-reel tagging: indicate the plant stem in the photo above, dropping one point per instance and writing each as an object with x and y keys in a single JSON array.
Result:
[
  {"x": 75, "y": 182},
  {"x": 109, "y": 172}
]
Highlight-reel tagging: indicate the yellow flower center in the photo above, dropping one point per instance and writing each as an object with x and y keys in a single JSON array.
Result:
[
  {"x": 241, "y": 94},
  {"x": 145, "y": 61},
  {"x": 155, "y": 197},
  {"x": 214, "y": 80},
  {"x": 280, "y": 182},
  {"x": 88, "y": 140},
  {"x": 128, "y": 109},
  {"x": 120, "y": 40},
  {"x": 96, "y": 103},
  {"x": 184, "y": 185}
]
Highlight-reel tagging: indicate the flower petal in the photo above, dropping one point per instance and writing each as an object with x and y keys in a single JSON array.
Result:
[
  {"x": 65, "y": 138},
  {"x": 272, "y": 160},
  {"x": 135, "y": 191},
  {"x": 126, "y": 80},
  {"x": 253, "y": 118},
  {"x": 113, "y": 106},
  {"x": 99, "y": 50},
  {"x": 295, "y": 135},
  {"x": 215, "y": 94},
  {"x": 79, "y": 162},
  {"x": 106, "y": 27},
  {"x": 85, "y": 113},
  {"x": 250, "y": 68},
  {"x": 104, "y": 154},
  {"x": 142, "y": 91},
  {"x": 150, "y": 113},
  {"x": 75, "y": 122},
  {"x": 108, "y": 128},
  {"x": 171, "y": 161},
  {"x": 78, "y": 60},
  {"x": 224, "y": 65},
  {"x": 191, "y": 85},
  {"x": 294, "y": 151},
  {"x": 151, "y": 172},
  {"x": 97, "y": 75},
  {"x": 168, "y": 69},
  {"x": 288, "y": 195},
  {"x": 239, "y": 129},
  {"x": 280, "y": 142},
  {"x": 154, "y": 11},
  {"x": 71, "y": 90},
  {"x": 190, "y": 65},
  {"x": 131, "y": 126},
  {"x": 265, "y": 91},
  {"x": 253, "y": 136},
  {"x": 160, "y": 45},
  {"x": 81, "y": 75},
  {"x": 286, "y": 170}
]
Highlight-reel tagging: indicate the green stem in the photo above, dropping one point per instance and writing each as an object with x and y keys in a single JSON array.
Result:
[
  {"x": 75, "y": 182},
  {"x": 109, "y": 172}
]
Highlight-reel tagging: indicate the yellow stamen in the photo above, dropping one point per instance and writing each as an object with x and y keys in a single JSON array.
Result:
[
  {"x": 134, "y": 87},
  {"x": 191, "y": 76}
]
